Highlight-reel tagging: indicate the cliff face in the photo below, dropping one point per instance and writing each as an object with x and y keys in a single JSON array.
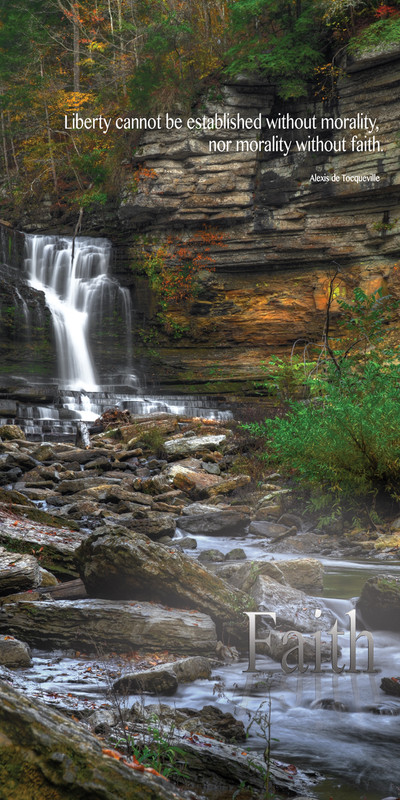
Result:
[{"x": 282, "y": 236}]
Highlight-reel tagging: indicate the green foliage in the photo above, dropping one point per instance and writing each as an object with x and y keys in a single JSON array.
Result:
[
  {"x": 279, "y": 39},
  {"x": 345, "y": 440},
  {"x": 378, "y": 36},
  {"x": 285, "y": 379},
  {"x": 155, "y": 749}
]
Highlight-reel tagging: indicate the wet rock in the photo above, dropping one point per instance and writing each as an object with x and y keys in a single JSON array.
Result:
[
  {"x": 47, "y": 578},
  {"x": 10, "y": 432},
  {"x": 211, "y": 555},
  {"x": 211, "y": 721},
  {"x": 391, "y": 686},
  {"x": 107, "y": 626},
  {"x": 164, "y": 679},
  {"x": 156, "y": 524},
  {"x": 294, "y": 609},
  {"x": 43, "y": 754},
  {"x": 14, "y": 654},
  {"x": 379, "y": 602},
  {"x": 278, "y": 645},
  {"x": 270, "y": 530},
  {"x": 103, "y": 719},
  {"x": 187, "y": 543},
  {"x": 17, "y": 572},
  {"x": 195, "y": 444},
  {"x": 237, "y": 554},
  {"x": 243, "y": 576},
  {"x": 306, "y": 574},
  {"x": 56, "y": 546},
  {"x": 127, "y": 565},
  {"x": 214, "y": 522}
]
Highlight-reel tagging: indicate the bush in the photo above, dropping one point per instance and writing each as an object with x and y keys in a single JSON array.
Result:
[
  {"x": 348, "y": 441},
  {"x": 344, "y": 439}
]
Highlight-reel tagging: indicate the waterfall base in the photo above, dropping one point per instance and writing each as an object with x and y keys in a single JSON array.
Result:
[{"x": 53, "y": 414}]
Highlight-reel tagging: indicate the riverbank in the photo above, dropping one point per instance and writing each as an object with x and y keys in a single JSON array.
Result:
[{"x": 155, "y": 515}]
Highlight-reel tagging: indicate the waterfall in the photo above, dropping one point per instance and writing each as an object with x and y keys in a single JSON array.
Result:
[{"x": 77, "y": 286}]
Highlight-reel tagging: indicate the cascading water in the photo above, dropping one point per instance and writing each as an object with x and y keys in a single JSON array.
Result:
[
  {"x": 74, "y": 278},
  {"x": 92, "y": 327}
]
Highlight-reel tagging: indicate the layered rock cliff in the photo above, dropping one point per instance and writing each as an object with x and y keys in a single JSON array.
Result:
[
  {"x": 278, "y": 236},
  {"x": 282, "y": 234}
]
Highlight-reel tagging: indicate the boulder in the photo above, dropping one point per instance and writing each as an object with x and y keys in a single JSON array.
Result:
[
  {"x": 211, "y": 555},
  {"x": 294, "y": 609},
  {"x": 122, "y": 564},
  {"x": 10, "y": 432},
  {"x": 164, "y": 679},
  {"x": 17, "y": 572},
  {"x": 379, "y": 603},
  {"x": 106, "y": 626},
  {"x": 391, "y": 686},
  {"x": 156, "y": 524},
  {"x": 44, "y": 755},
  {"x": 56, "y": 546},
  {"x": 237, "y": 554},
  {"x": 243, "y": 576},
  {"x": 209, "y": 721},
  {"x": 187, "y": 446},
  {"x": 14, "y": 654},
  {"x": 213, "y": 522},
  {"x": 306, "y": 574},
  {"x": 270, "y": 530}
]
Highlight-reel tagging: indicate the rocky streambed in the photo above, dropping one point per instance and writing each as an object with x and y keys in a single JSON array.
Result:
[{"x": 127, "y": 568}]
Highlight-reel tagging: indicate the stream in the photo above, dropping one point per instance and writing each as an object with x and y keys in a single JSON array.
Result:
[{"x": 342, "y": 726}]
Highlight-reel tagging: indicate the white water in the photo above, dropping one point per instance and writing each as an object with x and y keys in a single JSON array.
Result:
[{"x": 75, "y": 284}]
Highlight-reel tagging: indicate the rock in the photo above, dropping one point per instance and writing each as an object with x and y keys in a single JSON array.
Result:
[
  {"x": 379, "y": 602},
  {"x": 45, "y": 452},
  {"x": 103, "y": 719},
  {"x": 195, "y": 444},
  {"x": 164, "y": 679},
  {"x": 213, "y": 523},
  {"x": 391, "y": 686},
  {"x": 158, "y": 681},
  {"x": 14, "y": 654},
  {"x": 230, "y": 485},
  {"x": 195, "y": 484},
  {"x": 43, "y": 754},
  {"x": 211, "y": 721},
  {"x": 243, "y": 576},
  {"x": 107, "y": 626},
  {"x": 161, "y": 424},
  {"x": 294, "y": 609},
  {"x": 211, "y": 555},
  {"x": 17, "y": 572},
  {"x": 270, "y": 530},
  {"x": 47, "y": 578},
  {"x": 237, "y": 554},
  {"x": 10, "y": 432},
  {"x": 127, "y": 565},
  {"x": 156, "y": 524},
  {"x": 187, "y": 543},
  {"x": 306, "y": 574},
  {"x": 277, "y": 648},
  {"x": 56, "y": 546}
]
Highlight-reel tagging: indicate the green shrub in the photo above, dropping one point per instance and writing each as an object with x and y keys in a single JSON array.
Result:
[
  {"x": 348, "y": 440},
  {"x": 378, "y": 36}
]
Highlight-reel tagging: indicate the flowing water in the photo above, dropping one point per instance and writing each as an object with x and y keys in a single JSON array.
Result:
[
  {"x": 340, "y": 725},
  {"x": 84, "y": 298}
]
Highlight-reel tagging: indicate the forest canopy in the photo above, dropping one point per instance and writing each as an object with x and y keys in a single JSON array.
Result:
[{"x": 106, "y": 57}]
